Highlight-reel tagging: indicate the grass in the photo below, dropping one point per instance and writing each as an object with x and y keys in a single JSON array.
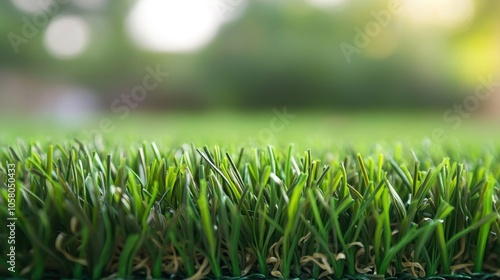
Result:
[{"x": 94, "y": 208}]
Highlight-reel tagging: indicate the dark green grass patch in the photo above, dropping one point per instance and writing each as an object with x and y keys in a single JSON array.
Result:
[{"x": 95, "y": 209}]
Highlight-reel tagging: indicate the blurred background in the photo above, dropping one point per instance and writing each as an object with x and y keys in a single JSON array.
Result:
[{"x": 69, "y": 61}]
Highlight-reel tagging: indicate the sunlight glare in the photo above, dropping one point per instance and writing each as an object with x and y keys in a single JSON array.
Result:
[
  {"x": 172, "y": 25},
  {"x": 442, "y": 13},
  {"x": 67, "y": 37}
]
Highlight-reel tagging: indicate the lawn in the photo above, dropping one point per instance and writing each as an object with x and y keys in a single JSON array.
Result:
[{"x": 251, "y": 196}]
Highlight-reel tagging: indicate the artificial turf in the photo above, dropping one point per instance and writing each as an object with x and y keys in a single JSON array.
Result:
[{"x": 94, "y": 208}]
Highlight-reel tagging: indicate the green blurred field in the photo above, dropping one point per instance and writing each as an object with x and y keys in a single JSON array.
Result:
[{"x": 306, "y": 129}]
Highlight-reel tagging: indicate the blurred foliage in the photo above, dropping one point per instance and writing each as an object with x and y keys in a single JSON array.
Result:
[{"x": 277, "y": 53}]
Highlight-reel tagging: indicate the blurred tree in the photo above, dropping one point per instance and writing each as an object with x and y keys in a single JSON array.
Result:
[{"x": 277, "y": 53}]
